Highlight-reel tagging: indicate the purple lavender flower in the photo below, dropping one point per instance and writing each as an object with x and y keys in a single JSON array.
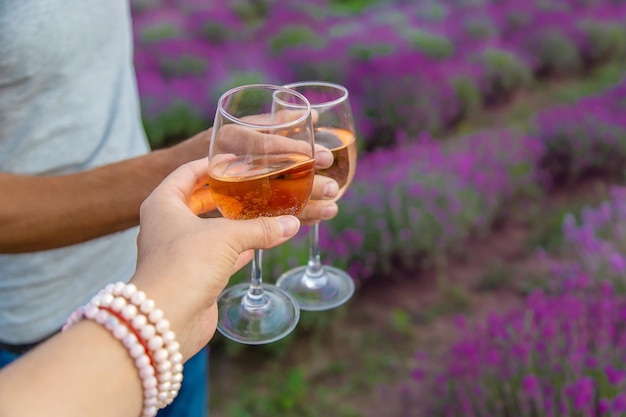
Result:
[
  {"x": 594, "y": 247},
  {"x": 551, "y": 379}
]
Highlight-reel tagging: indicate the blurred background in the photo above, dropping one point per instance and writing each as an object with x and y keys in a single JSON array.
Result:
[{"x": 485, "y": 227}]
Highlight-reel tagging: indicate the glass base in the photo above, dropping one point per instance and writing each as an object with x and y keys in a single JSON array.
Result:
[
  {"x": 256, "y": 323},
  {"x": 332, "y": 288}
]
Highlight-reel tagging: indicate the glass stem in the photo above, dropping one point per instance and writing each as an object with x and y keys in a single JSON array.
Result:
[
  {"x": 314, "y": 275},
  {"x": 254, "y": 297}
]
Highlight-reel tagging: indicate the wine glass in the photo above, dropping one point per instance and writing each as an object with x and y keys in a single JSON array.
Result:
[
  {"x": 322, "y": 287},
  {"x": 260, "y": 164}
]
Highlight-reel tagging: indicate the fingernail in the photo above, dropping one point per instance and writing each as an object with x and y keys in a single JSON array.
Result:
[
  {"x": 324, "y": 158},
  {"x": 289, "y": 225},
  {"x": 329, "y": 212},
  {"x": 331, "y": 189}
]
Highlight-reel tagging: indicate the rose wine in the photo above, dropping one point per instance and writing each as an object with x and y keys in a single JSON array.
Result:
[
  {"x": 342, "y": 144},
  {"x": 250, "y": 186}
]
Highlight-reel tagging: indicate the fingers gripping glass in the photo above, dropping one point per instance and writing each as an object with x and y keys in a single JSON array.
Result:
[
  {"x": 260, "y": 164},
  {"x": 321, "y": 287}
]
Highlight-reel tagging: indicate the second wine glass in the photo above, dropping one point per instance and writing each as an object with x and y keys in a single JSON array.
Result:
[
  {"x": 322, "y": 287},
  {"x": 260, "y": 164}
]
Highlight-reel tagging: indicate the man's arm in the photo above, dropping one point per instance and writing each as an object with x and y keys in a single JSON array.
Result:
[{"x": 40, "y": 213}]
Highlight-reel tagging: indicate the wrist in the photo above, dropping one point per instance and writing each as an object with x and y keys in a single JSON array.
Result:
[
  {"x": 191, "y": 320},
  {"x": 196, "y": 147},
  {"x": 135, "y": 321}
]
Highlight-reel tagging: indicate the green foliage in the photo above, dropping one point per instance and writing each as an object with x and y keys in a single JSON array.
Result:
[
  {"x": 558, "y": 54},
  {"x": 533, "y": 281},
  {"x": 321, "y": 70},
  {"x": 434, "y": 46},
  {"x": 585, "y": 146},
  {"x": 177, "y": 123},
  {"x": 521, "y": 117},
  {"x": 606, "y": 40},
  {"x": 365, "y": 52},
  {"x": 238, "y": 78},
  {"x": 159, "y": 32},
  {"x": 398, "y": 215},
  {"x": 341, "y": 29},
  {"x": 295, "y": 35},
  {"x": 353, "y": 6},
  {"x": 468, "y": 93},
  {"x": 217, "y": 33},
  {"x": 547, "y": 225},
  {"x": 318, "y": 322},
  {"x": 287, "y": 395},
  {"x": 505, "y": 71},
  {"x": 252, "y": 12},
  {"x": 433, "y": 11},
  {"x": 497, "y": 276},
  {"x": 481, "y": 28},
  {"x": 141, "y": 5},
  {"x": 401, "y": 321},
  {"x": 552, "y": 5},
  {"x": 391, "y": 17},
  {"x": 598, "y": 80},
  {"x": 453, "y": 299},
  {"x": 183, "y": 66},
  {"x": 547, "y": 229},
  {"x": 517, "y": 19}
]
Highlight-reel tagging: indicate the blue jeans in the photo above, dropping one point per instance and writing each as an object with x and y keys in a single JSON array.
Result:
[{"x": 192, "y": 399}]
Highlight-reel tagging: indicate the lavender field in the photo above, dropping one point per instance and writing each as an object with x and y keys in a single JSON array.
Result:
[{"x": 486, "y": 224}]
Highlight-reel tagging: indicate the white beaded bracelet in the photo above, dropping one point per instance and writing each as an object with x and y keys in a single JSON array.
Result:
[
  {"x": 136, "y": 350},
  {"x": 154, "y": 329},
  {"x": 133, "y": 319}
]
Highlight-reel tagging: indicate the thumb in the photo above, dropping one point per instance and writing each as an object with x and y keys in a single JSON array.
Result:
[{"x": 266, "y": 232}]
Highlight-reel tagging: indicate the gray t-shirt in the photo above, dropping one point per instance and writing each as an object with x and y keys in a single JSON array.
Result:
[{"x": 68, "y": 102}]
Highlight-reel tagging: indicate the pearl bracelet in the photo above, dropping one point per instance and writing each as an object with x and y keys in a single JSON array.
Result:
[{"x": 140, "y": 326}]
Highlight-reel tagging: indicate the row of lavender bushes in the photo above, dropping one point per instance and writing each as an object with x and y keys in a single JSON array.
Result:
[
  {"x": 562, "y": 354},
  {"x": 410, "y": 66},
  {"x": 586, "y": 138},
  {"x": 594, "y": 245},
  {"x": 413, "y": 204}
]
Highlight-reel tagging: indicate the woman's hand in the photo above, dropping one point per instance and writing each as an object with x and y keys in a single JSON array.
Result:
[{"x": 184, "y": 261}]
